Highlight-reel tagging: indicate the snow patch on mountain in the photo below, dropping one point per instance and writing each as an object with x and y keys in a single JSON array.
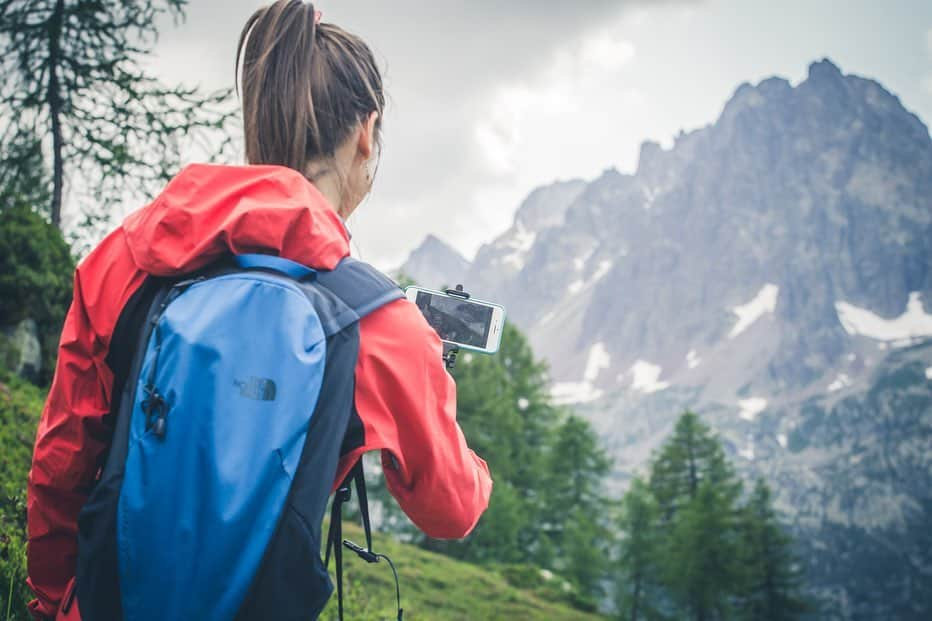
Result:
[
  {"x": 577, "y": 285},
  {"x": 781, "y": 440},
  {"x": 650, "y": 193},
  {"x": 598, "y": 360},
  {"x": 602, "y": 269},
  {"x": 646, "y": 377},
  {"x": 580, "y": 262},
  {"x": 519, "y": 243},
  {"x": 764, "y": 302},
  {"x": 841, "y": 381},
  {"x": 748, "y": 451},
  {"x": 751, "y": 407},
  {"x": 912, "y": 324},
  {"x": 929, "y": 373},
  {"x": 565, "y": 393},
  {"x": 585, "y": 390},
  {"x": 692, "y": 359}
]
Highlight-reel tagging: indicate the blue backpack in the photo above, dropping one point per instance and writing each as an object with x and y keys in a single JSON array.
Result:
[{"x": 232, "y": 403}]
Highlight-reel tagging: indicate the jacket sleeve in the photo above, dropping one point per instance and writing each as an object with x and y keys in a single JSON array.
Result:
[
  {"x": 73, "y": 435},
  {"x": 407, "y": 402},
  {"x": 68, "y": 445}
]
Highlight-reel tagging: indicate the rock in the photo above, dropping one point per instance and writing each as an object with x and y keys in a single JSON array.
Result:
[
  {"x": 23, "y": 338},
  {"x": 434, "y": 264}
]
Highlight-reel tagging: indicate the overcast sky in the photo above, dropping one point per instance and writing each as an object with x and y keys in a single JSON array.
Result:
[{"x": 490, "y": 98}]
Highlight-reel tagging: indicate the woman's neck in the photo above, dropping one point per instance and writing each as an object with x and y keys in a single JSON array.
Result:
[{"x": 327, "y": 182}]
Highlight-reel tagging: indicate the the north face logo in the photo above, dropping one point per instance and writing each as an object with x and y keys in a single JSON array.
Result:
[{"x": 258, "y": 388}]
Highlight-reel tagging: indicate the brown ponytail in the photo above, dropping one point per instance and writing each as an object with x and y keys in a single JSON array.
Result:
[{"x": 305, "y": 85}]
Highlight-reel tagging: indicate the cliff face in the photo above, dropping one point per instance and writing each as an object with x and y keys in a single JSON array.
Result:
[{"x": 772, "y": 271}]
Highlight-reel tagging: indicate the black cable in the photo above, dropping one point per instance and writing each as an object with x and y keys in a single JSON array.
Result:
[
  {"x": 373, "y": 557},
  {"x": 397, "y": 588}
]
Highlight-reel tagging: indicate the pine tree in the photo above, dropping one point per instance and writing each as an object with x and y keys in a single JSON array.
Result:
[
  {"x": 637, "y": 579},
  {"x": 577, "y": 467},
  {"x": 697, "y": 493},
  {"x": 692, "y": 455},
  {"x": 701, "y": 566},
  {"x": 575, "y": 515},
  {"x": 585, "y": 553},
  {"x": 773, "y": 580},
  {"x": 72, "y": 75}
]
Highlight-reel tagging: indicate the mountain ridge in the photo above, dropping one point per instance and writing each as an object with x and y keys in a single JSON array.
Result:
[{"x": 762, "y": 271}]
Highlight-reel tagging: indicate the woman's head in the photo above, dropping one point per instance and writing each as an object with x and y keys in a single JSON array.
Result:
[{"x": 312, "y": 98}]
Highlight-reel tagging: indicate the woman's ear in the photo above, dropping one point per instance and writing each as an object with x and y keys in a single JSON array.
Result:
[{"x": 367, "y": 136}]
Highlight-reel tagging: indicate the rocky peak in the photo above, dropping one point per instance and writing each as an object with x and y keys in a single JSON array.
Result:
[
  {"x": 546, "y": 206},
  {"x": 434, "y": 264},
  {"x": 825, "y": 71}
]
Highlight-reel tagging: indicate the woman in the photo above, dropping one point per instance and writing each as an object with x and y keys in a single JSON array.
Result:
[{"x": 312, "y": 106}]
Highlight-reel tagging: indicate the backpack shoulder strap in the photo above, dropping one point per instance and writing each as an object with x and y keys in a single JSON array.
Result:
[
  {"x": 363, "y": 289},
  {"x": 360, "y": 286}
]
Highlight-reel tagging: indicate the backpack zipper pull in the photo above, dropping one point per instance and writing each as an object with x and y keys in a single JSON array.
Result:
[{"x": 155, "y": 408}]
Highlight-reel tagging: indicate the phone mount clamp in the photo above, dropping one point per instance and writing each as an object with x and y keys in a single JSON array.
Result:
[{"x": 450, "y": 351}]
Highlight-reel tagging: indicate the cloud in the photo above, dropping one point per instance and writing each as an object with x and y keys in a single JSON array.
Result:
[
  {"x": 606, "y": 52},
  {"x": 557, "y": 122},
  {"x": 926, "y": 84},
  {"x": 469, "y": 84},
  {"x": 521, "y": 119}
]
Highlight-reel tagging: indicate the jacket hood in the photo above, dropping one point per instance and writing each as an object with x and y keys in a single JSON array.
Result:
[{"x": 208, "y": 210}]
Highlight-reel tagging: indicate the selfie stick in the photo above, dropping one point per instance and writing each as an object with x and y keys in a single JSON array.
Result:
[{"x": 449, "y": 350}]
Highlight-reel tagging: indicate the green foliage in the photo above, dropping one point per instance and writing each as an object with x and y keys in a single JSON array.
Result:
[
  {"x": 404, "y": 281},
  {"x": 637, "y": 578},
  {"x": 74, "y": 76},
  {"x": 697, "y": 492},
  {"x": 700, "y": 555},
  {"x": 772, "y": 579},
  {"x": 20, "y": 407},
  {"x": 547, "y": 507},
  {"x": 691, "y": 550},
  {"x": 36, "y": 268},
  {"x": 692, "y": 456},
  {"x": 434, "y": 586},
  {"x": 24, "y": 181}
]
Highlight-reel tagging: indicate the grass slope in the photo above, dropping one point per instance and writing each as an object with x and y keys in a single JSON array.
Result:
[
  {"x": 20, "y": 406},
  {"x": 434, "y": 587}
]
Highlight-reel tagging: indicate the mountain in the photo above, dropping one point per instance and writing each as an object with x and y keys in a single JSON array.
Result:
[
  {"x": 773, "y": 272},
  {"x": 434, "y": 264}
]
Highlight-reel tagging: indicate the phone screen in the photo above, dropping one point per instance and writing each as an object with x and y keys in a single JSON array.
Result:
[{"x": 456, "y": 320}]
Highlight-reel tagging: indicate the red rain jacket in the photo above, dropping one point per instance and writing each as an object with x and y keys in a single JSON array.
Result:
[{"x": 404, "y": 396}]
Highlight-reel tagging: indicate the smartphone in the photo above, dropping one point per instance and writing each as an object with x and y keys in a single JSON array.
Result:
[{"x": 465, "y": 322}]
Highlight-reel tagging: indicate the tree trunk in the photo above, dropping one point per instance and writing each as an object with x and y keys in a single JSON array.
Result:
[
  {"x": 54, "y": 99},
  {"x": 693, "y": 477},
  {"x": 636, "y": 599}
]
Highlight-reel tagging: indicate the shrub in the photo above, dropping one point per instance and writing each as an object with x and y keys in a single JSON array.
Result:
[{"x": 36, "y": 269}]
